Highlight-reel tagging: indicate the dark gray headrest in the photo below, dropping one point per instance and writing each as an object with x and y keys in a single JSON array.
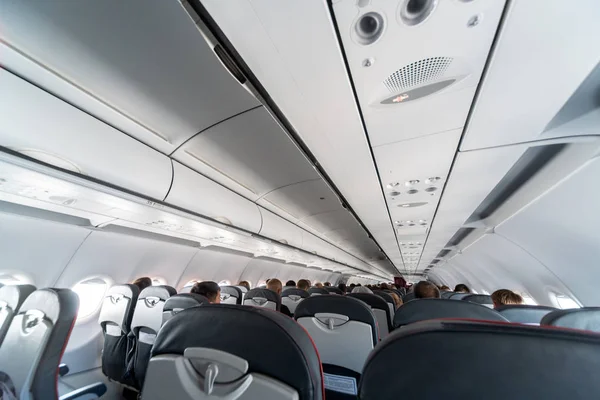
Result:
[
  {"x": 184, "y": 300},
  {"x": 587, "y": 318},
  {"x": 232, "y": 291},
  {"x": 371, "y": 299},
  {"x": 354, "y": 309},
  {"x": 294, "y": 292},
  {"x": 285, "y": 340},
  {"x": 316, "y": 290},
  {"x": 408, "y": 297},
  {"x": 458, "y": 296},
  {"x": 118, "y": 305},
  {"x": 265, "y": 294},
  {"x": 333, "y": 290},
  {"x": 15, "y": 295},
  {"x": 496, "y": 362},
  {"x": 162, "y": 292},
  {"x": 424, "y": 309},
  {"x": 524, "y": 314},
  {"x": 479, "y": 298},
  {"x": 385, "y": 296}
]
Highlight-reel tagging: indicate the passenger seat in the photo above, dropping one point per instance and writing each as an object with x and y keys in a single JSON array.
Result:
[
  {"x": 315, "y": 291},
  {"x": 180, "y": 302},
  {"x": 380, "y": 309},
  {"x": 586, "y": 318},
  {"x": 333, "y": 290},
  {"x": 292, "y": 296},
  {"x": 35, "y": 342},
  {"x": 195, "y": 358},
  {"x": 266, "y": 298},
  {"x": 116, "y": 313},
  {"x": 147, "y": 319},
  {"x": 344, "y": 330},
  {"x": 390, "y": 302},
  {"x": 231, "y": 295},
  {"x": 483, "y": 299},
  {"x": 497, "y": 362},
  {"x": 524, "y": 314},
  {"x": 11, "y": 299}
]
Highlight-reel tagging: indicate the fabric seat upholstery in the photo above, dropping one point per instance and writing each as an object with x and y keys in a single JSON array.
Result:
[
  {"x": 389, "y": 300},
  {"x": 523, "y": 313},
  {"x": 587, "y": 318},
  {"x": 315, "y": 291},
  {"x": 266, "y": 298},
  {"x": 209, "y": 334},
  {"x": 292, "y": 296},
  {"x": 483, "y": 299},
  {"x": 380, "y": 309},
  {"x": 231, "y": 295},
  {"x": 530, "y": 360},
  {"x": 11, "y": 299},
  {"x": 180, "y": 302},
  {"x": 333, "y": 290}
]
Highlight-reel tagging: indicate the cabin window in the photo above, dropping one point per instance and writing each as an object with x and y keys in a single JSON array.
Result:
[
  {"x": 224, "y": 283},
  {"x": 91, "y": 292},
  {"x": 158, "y": 281},
  {"x": 10, "y": 279},
  {"x": 191, "y": 283},
  {"x": 563, "y": 301},
  {"x": 261, "y": 283}
]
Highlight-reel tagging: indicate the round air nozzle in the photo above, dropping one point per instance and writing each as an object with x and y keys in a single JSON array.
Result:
[
  {"x": 413, "y": 12},
  {"x": 369, "y": 28}
]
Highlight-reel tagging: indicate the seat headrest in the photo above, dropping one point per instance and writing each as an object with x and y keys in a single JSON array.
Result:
[
  {"x": 479, "y": 298},
  {"x": 333, "y": 290},
  {"x": 587, "y": 318},
  {"x": 458, "y": 296},
  {"x": 267, "y": 294},
  {"x": 54, "y": 303},
  {"x": 498, "y": 361},
  {"x": 408, "y": 297},
  {"x": 444, "y": 294},
  {"x": 385, "y": 296},
  {"x": 118, "y": 305},
  {"x": 354, "y": 309},
  {"x": 184, "y": 300},
  {"x": 162, "y": 292},
  {"x": 371, "y": 299},
  {"x": 292, "y": 291},
  {"x": 270, "y": 340},
  {"x": 316, "y": 290},
  {"x": 524, "y": 313},
  {"x": 231, "y": 291},
  {"x": 15, "y": 295},
  {"x": 424, "y": 309},
  {"x": 244, "y": 289}
]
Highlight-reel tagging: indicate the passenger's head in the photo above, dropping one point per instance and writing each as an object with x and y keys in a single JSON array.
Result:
[
  {"x": 444, "y": 287},
  {"x": 352, "y": 286},
  {"x": 267, "y": 281},
  {"x": 397, "y": 299},
  {"x": 303, "y": 284},
  {"x": 143, "y": 282},
  {"x": 275, "y": 285},
  {"x": 342, "y": 287},
  {"x": 462, "y": 288},
  {"x": 384, "y": 286},
  {"x": 327, "y": 284},
  {"x": 319, "y": 285},
  {"x": 426, "y": 290},
  {"x": 208, "y": 289},
  {"x": 290, "y": 283},
  {"x": 504, "y": 296},
  {"x": 245, "y": 284},
  {"x": 361, "y": 289}
]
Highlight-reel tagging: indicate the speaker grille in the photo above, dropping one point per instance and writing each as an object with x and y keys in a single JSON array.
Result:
[{"x": 417, "y": 73}]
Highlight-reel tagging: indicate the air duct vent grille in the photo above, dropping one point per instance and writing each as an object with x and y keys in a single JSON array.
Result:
[{"x": 417, "y": 73}]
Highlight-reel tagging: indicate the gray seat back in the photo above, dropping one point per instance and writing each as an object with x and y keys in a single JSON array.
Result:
[
  {"x": 292, "y": 296},
  {"x": 343, "y": 328},
  {"x": 180, "y": 302},
  {"x": 380, "y": 309},
  {"x": 483, "y": 299},
  {"x": 408, "y": 297},
  {"x": 11, "y": 299},
  {"x": 586, "y": 318},
  {"x": 35, "y": 342},
  {"x": 195, "y": 358},
  {"x": 445, "y": 294},
  {"x": 527, "y": 358},
  {"x": 424, "y": 309},
  {"x": 115, "y": 317},
  {"x": 147, "y": 320},
  {"x": 524, "y": 314},
  {"x": 265, "y": 298},
  {"x": 231, "y": 295},
  {"x": 458, "y": 296},
  {"x": 389, "y": 300},
  {"x": 333, "y": 290},
  {"x": 315, "y": 291}
]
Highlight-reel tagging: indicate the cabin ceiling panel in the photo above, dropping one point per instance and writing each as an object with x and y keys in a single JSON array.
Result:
[{"x": 145, "y": 59}]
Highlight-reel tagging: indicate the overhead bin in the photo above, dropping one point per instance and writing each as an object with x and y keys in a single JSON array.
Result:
[
  {"x": 197, "y": 193},
  {"x": 39, "y": 125},
  {"x": 151, "y": 64},
  {"x": 277, "y": 228}
]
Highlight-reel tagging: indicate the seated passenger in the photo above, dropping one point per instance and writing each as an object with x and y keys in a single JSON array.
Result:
[
  {"x": 143, "y": 282},
  {"x": 319, "y": 285},
  {"x": 303, "y": 284},
  {"x": 444, "y": 287},
  {"x": 276, "y": 286},
  {"x": 426, "y": 290},
  {"x": 342, "y": 287},
  {"x": 209, "y": 289},
  {"x": 397, "y": 299},
  {"x": 361, "y": 289},
  {"x": 504, "y": 296},
  {"x": 352, "y": 286},
  {"x": 245, "y": 284},
  {"x": 327, "y": 284},
  {"x": 290, "y": 283},
  {"x": 462, "y": 288},
  {"x": 384, "y": 286}
]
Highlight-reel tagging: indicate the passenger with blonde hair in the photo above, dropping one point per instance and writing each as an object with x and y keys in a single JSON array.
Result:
[
  {"x": 397, "y": 300},
  {"x": 502, "y": 297}
]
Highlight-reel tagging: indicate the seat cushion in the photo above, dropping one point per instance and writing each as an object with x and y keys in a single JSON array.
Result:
[
  {"x": 269, "y": 341},
  {"x": 497, "y": 361}
]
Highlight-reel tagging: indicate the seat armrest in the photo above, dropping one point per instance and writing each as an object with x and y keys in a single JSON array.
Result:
[
  {"x": 97, "y": 389},
  {"x": 63, "y": 369}
]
